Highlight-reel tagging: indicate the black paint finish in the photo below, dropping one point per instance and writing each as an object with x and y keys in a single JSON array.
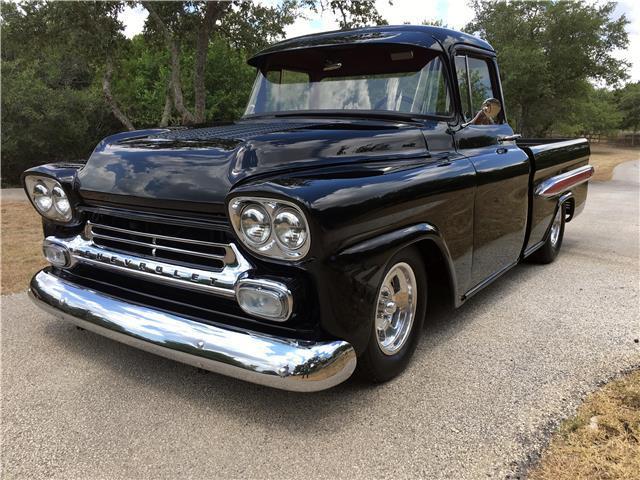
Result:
[{"x": 369, "y": 184}]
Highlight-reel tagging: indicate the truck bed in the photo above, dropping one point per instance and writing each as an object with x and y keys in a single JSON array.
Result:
[{"x": 550, "y": 158}]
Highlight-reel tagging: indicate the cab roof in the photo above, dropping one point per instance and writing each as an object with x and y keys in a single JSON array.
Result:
[{"x": 423, "y": 36}]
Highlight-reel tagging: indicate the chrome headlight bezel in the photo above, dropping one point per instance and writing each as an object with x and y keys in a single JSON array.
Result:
[
  {"x": 59, "y": 208},
  {"x": 272, "y": 247}
]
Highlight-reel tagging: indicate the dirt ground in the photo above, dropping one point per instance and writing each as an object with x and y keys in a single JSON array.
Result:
[
  {"x": 21, "y": 246},
  {"x": 605, "y": 158}
]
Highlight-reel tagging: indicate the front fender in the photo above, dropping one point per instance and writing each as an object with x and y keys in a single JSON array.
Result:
[
  {"x": 361, "y": 216},
  {"x": 357, "y": 271}
]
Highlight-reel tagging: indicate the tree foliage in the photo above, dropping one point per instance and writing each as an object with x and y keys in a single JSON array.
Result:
[
  {"x": 52, "y": 104},
  {"x": 629, "y": 101},
  {"x": 350, "y": 14},
  {"x": 549, "y": 52}
]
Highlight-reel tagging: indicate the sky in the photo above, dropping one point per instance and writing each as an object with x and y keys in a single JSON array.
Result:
[{"x": 454, "y": 13}]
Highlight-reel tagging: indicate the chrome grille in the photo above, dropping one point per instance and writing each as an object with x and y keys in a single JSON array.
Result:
[{"x": 169, "y": 243}]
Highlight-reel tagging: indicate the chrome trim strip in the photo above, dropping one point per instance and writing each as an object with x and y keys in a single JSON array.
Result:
[
  {"x": 220, "y": 282},
  {"x": 158, "y": 236},
  {"x": 157, "y": 247},
  {"x": 276, "y": 362},
  {"x": 561, "y": 183}
]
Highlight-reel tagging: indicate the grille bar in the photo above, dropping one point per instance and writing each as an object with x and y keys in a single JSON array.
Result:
[
  {"x": 144, "y": 238},
  {"x": 155, "y": 246},
  {"x": 155, "y": 235}
]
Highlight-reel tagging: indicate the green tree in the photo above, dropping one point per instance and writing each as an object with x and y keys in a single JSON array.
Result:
[
  {"x": 594, "y": 112},
  {"x": 549, "y": 53},
  {"x": 70, "y": 77},
  {"x": 189, "y": 27},
  {"x": 52, "y": 104},
  {"x": 350, "y": 13},
  {"x": 629, "y": 104}
]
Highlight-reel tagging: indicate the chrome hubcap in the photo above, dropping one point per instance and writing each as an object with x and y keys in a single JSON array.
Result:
[
  {"x": 396, "y": 308},
  {"x": 555, "y": 227}
]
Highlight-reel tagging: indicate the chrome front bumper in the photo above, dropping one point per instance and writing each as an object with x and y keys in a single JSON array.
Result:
[{"x": 277, "y": 362}]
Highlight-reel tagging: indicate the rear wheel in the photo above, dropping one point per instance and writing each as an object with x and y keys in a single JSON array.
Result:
[
  {"x": 549, "y": 251},
  {"x": 398, "y": 317}
]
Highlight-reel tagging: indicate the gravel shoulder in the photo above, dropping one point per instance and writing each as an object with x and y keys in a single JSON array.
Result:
[{"x": 487, "y": 385}]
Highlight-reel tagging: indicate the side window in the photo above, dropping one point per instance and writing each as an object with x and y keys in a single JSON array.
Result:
[
  {"x": 463, "y": 85},
  {"x": 480, "y": 80},
  {"x": 475, "y": 84}
]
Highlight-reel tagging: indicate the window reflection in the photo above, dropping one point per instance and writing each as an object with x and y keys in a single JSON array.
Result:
[{"x": 407, "y": 82}]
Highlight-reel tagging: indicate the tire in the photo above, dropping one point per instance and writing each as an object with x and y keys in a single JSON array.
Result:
[
  {"x": 549, "y": 251},
  {"x": 386, "y": 358}
]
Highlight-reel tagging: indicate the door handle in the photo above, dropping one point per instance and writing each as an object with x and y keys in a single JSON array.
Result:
[
  {"x": 509, "y": 138},
  {"x": 501, "y": 150}
]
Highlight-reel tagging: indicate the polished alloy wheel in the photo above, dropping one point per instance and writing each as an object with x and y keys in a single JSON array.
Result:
[
  {"x": 554, "y": 235},
  {"x": 396, "y": 308}
]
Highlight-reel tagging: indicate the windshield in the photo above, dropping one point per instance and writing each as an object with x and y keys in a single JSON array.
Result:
[{"x": 380, "y": 78}]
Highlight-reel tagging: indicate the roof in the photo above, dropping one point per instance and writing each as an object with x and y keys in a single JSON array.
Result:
[{"x": 416, "y": 35}]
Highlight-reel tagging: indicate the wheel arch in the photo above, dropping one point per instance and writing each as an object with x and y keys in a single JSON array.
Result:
[{"x": 426, "y": 238}]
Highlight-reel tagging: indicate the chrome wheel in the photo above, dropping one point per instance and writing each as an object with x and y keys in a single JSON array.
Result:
[
  {"x": 554, "y": 235},
  {"x": 396, "y": 308}
]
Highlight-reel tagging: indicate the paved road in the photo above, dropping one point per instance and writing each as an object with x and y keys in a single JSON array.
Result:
[{"x": 487, "y": 384}]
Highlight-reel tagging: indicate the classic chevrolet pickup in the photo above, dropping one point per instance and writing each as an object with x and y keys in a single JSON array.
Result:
[{"x": 373, "y": 175}]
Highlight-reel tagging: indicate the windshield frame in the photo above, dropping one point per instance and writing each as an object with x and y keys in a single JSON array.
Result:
[{"x": 446, "y": 72}]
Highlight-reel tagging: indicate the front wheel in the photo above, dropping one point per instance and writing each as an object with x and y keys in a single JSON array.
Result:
[
  {"x": 549, "y": 251},
  {"x": 399, "y": 313}
]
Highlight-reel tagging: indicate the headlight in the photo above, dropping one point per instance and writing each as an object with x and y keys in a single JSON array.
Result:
[
  {"x": 42, "y": 197},
  {"x": 255, "y": 224},
  {"x": 49, "y": 198},
  {"x": 290, "y": 228},
  {"x": 61, "y": 202},
  {"x": 273, "y": 228}
]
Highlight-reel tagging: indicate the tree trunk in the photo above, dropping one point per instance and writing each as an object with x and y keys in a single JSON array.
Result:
[
  {"x": 174, "y": 51},
  {"x": 106, "y": 89},
  {"x": 166, "y": 112},
  {"x": 212, "y": 13},
  {"x": 344, "y": 25}
]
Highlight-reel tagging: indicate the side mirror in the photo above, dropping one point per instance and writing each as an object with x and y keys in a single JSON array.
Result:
[
  {"x": 492, "y": 108},
  {"x": 487, "y": 115}
]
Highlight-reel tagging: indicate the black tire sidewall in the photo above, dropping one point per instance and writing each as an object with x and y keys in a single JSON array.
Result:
[
  {"x": 376, "y": 365},
  {"x": 548, "y": 252}
]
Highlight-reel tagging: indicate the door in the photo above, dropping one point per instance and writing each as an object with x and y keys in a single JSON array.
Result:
[{"x": 502, "y": 170}]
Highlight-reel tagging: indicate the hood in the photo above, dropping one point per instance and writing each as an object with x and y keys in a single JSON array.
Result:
[{"x": 187, "y": 168}]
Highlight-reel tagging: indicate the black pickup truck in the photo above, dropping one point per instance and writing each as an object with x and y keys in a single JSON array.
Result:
[{"x": 373, "y": 174}]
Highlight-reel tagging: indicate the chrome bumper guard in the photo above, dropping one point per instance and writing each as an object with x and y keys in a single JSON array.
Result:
[{"x": 277, "y": 362}]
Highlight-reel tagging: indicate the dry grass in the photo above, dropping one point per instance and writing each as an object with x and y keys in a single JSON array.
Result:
[
  {"x": 605, "y": 158},
  {"x": 602, "y": 441},
  {"x": 21, "y": 246}
]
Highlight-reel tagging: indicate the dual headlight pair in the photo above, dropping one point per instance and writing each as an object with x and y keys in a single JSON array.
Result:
[
  {"x": 49, "y": 198},
  {"x": 269, "y": 227},
  {"x": 273, "y": 228}
]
